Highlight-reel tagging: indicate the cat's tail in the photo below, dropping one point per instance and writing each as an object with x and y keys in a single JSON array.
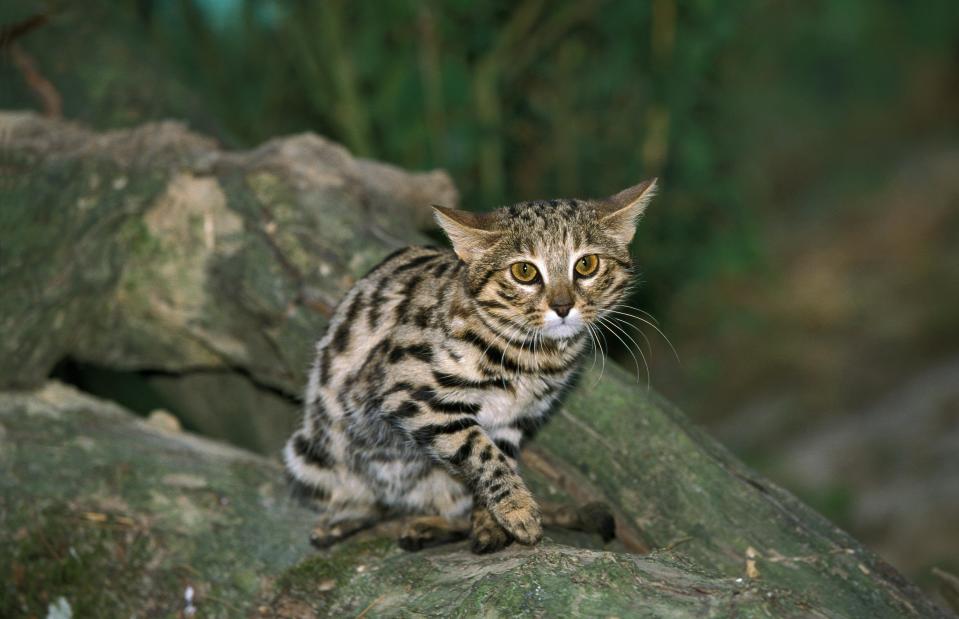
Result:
[{"x": 309, "y": 467}]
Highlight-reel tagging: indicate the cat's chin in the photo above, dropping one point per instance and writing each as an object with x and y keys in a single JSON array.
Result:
[
  {"x": 557, "y": 328},
  {"x": 562, "y": 331}
]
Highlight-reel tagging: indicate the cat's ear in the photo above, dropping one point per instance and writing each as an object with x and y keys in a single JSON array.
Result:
[
  {"x": 470, "y": 233},
  {"x": 620, "y": 213}
]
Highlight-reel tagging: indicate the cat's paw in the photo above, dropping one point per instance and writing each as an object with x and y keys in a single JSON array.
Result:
[
  {"x": 519, "y": 514},
  {"x": 323, "y": 537},
  {"x": 486, "y": 535},
  {"x": 326, "y": 533}
]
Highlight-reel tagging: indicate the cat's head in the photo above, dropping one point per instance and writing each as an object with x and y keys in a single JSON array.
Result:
[{"x": 548, "y": 267}]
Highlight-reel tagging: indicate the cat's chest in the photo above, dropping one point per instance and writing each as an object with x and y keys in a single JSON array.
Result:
[{"x": 528, "y": 396}]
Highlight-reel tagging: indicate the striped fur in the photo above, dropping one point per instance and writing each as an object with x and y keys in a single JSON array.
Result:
[{"x": 435, "y": 369}]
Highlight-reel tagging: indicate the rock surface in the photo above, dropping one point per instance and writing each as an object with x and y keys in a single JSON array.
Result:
[
  {"x": 153, "y": 251},
  {"x": 111, "y": 516}
]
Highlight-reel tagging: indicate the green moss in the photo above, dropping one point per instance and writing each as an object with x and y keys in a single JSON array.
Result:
[
  {"x": 178, "y": 516},
  {"x": 549, "y": 580},
  {"x": 102, "y": 569},
  {"x": 334, "y": 564},
  {"x": 319, "y": 581}
]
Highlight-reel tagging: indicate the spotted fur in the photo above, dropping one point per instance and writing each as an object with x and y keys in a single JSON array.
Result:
[{"x": 438, "y": 365}]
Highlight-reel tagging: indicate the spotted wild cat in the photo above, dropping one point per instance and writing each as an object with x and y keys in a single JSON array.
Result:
[{"x": 439, "y": 364}]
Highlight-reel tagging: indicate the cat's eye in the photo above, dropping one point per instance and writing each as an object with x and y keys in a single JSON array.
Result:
[
  {"x": 524, "y": 272},
  {"x": 587, "y": 265}
]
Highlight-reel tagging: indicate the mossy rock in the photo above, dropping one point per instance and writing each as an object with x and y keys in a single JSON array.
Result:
[
  {"x": 180, "y": 262},
  {"x": 111, "y": 516}
]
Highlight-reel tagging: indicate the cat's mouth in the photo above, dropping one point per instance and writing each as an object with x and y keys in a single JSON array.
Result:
[{"x": 562, "y": 327}]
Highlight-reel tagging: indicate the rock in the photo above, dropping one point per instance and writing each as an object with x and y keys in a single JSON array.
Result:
[
  {"x": 131, "y": 531},
  {"x": 164, "y": 420},
  {"x": 211, "y": 263},
  {"x": 105, "y": 531},
  {"x": 215, "y": 261}
]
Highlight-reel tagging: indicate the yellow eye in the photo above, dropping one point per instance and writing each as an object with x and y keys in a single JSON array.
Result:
[
  {"x": 524, "y": 272},
  {"x": 587, "y": 265}
]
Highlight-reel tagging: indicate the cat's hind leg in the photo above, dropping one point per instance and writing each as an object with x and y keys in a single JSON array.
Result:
[
  {"x": 442, "y": 505},
  {"x": 341, "y": 520},
  {"x": 346, "y": 503}
]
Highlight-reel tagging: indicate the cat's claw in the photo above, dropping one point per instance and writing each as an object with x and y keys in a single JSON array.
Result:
[
  {"x": 490, "y": 539},
  {"x": 486, "y": 534}
]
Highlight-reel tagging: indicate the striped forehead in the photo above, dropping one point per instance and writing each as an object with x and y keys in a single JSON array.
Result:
[{"x": 548, "y": 227}]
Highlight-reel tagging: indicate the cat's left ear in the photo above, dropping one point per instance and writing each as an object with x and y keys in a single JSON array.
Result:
[
  {"x": 470, "y": 233},
  {"x": 620, "y": 213}
]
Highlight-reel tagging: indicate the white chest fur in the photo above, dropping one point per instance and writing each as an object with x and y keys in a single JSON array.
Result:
[{"x": 501, "y": 408}]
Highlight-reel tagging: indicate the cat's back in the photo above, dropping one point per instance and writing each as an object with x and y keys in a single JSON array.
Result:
[
  {"x": 402, "y": 288},
  {"x": 398, "y": 302}
]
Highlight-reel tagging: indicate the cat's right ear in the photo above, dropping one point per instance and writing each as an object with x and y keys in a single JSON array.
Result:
[
  {"x": 469, "y": 232},
  {"x": 621, "y": 212}
]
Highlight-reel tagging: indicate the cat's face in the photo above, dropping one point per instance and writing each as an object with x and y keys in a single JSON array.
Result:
[{"x": 548, "y": 268}]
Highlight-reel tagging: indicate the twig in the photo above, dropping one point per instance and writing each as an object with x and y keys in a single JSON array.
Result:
[
  {"x": 12, "y": 32},
  {"x": 372, "y": 604},
  {"x": 50, "y": 99},
  {"x": 675, "y": 543},
  {"x": 348, "y": 110},
  {"x": 486, "y": 97},
  {"x": 431, "y": 76}
]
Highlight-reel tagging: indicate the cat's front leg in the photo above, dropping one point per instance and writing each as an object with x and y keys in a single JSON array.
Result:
[
  {"x": 498, "y": 486},
  {"x": 505, "y": 493},
  {"x": 465, "y": 447}
]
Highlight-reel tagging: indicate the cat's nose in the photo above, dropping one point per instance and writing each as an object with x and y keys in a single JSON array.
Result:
[{"x": 561, "y": 309}]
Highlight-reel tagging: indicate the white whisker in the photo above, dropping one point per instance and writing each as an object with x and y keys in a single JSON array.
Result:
[
  {"x": 594, "y": 345},
  {"x": 595, "y": 341},
  {"x": 497, "y": 337},
  {"x": 640, "y": 318},
  {"x": 602, "y": 321},
  {"x": 603, "y": 353},
  {"x": 642, "y": 334},
  {"x": 608, "y": 321},
  {"x": 618, "y": 323}
]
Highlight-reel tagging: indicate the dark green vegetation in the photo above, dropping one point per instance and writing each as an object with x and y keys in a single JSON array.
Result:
[{"x": 737, "y": 108}]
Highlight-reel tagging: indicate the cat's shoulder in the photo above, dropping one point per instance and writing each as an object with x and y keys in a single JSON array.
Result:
[{"x": 413, "y": 259}]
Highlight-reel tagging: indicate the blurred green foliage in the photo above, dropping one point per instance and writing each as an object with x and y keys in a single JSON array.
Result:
[
  {"x": 744, "y": 109},
  {"x": 727, "y": 102},
  {"x": 517, "y": 100}
]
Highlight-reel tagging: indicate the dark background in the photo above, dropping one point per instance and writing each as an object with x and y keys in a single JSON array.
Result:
[{"x": 803, "y": 255}]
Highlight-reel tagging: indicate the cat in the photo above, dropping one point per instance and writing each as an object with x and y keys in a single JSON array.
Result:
[{"x": 438, "y": 365}]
